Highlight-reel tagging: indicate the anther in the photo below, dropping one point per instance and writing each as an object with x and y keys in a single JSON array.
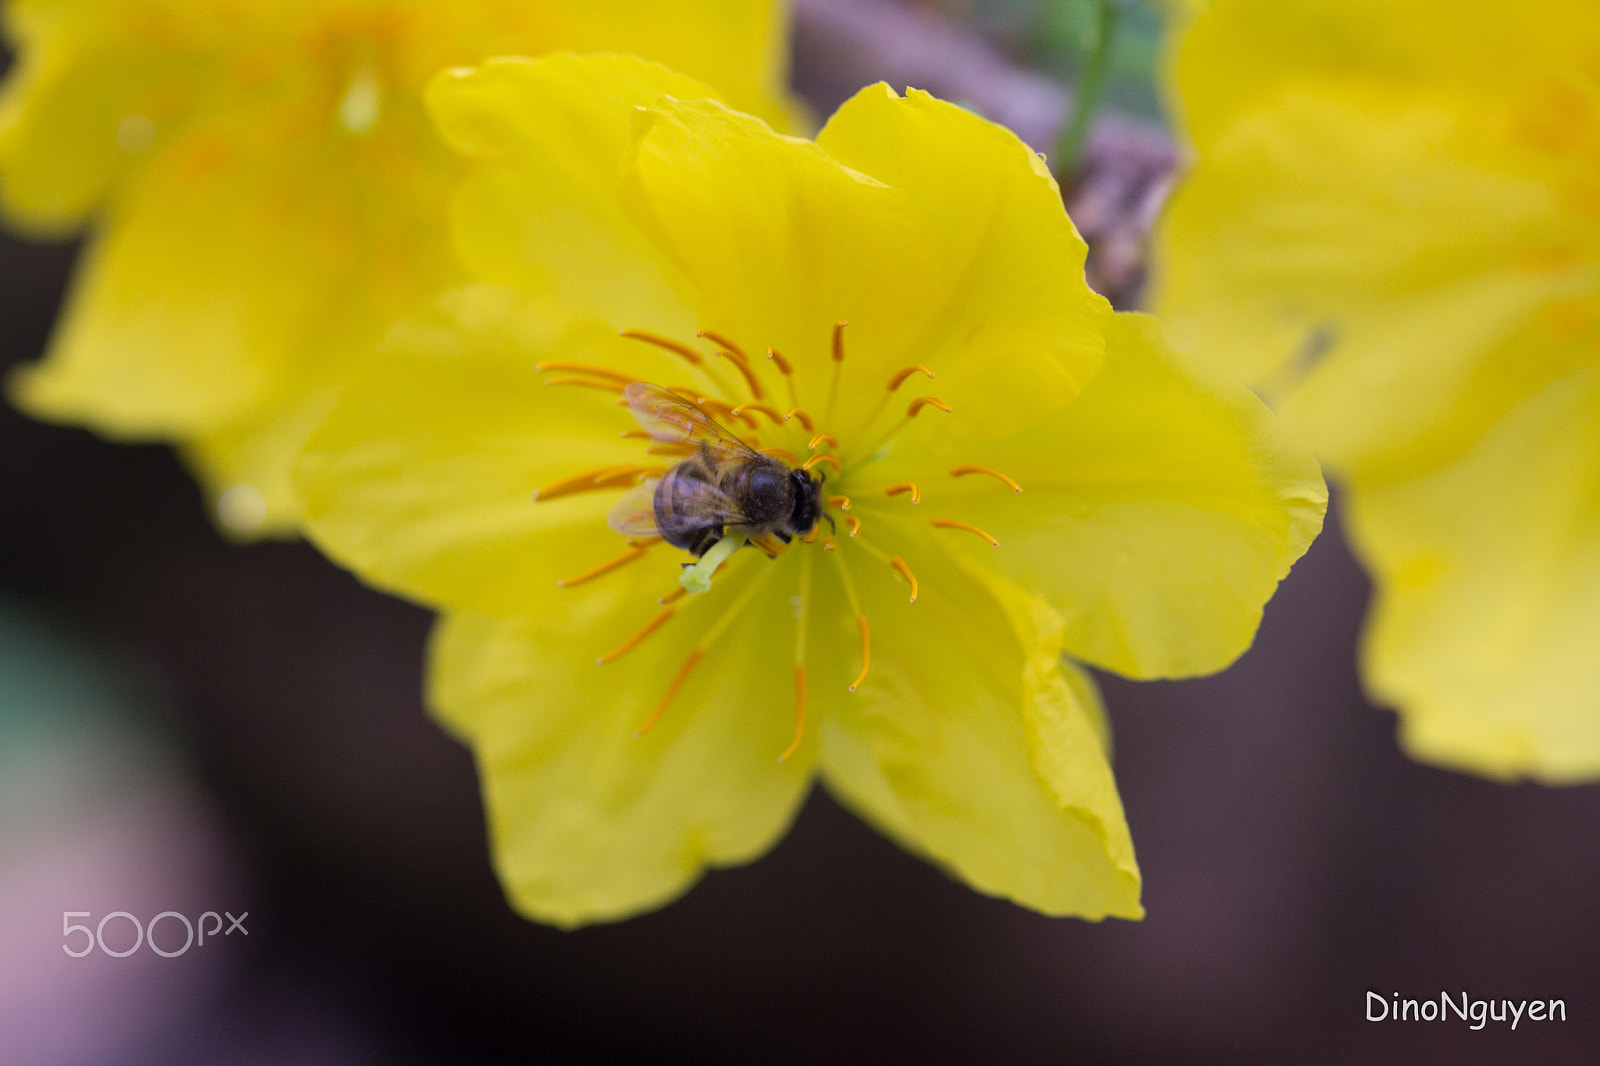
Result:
[
  {"x": 951, "y": 523},
  {"x": 970, "y": 468},
  {"x": 765, "y": 408},
  {"x": 741, "y": 364},
  {"x": 841, "y": 502},
  {"x": 904, "y": 487},
  {"x": 853, "y": 524},
  {"x": 822, "y": 457},
  {"x": 604, "y": 568},
  {"x": 672, "y": 690},
  {"x": 607, "y": 477},
  {"x": 781, "y": 453},
  {"x": 736, "y": 352},
  {"x": 799, "y": 712},
  {"x": 673, "y": 597},
  {"x": 829, "y": 546},
  {"x": 905, "y": 572},
  {"x": 783, "y": 364},
  {"x": 838, "y": 341},
  {"x": 805, "y": 419},
  {"x": 588, "y": 383},
  {"x": 866, "y": 651},
  {"x": 683, "y": 351},
  {"x": 901, "y": 375},
  {"x": 632, "y": 642},
  {"x": 833, "y": 442},
  {"x": 926, "y": 401},
  {"x": 636, "y": 434}
]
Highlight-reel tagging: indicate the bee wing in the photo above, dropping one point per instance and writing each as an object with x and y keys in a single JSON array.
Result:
[
  {"x": 634, "y": 515},
  {"x": 670, "y": 419}
]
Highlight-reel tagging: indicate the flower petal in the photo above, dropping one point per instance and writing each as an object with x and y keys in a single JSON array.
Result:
[
  {"x": 422, "y": 478},
  {"x": 1157, "y": 513},
  {"x": 543, "y": 215},
  {"x": 587, "y": 821},
  {"x": 1003, "y": 312},
  {"x": 1487, "y": 614},
  {"x": 969, "y": 743}
]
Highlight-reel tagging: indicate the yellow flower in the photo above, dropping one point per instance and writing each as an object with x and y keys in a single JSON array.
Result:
[
  {"x": 627, "y": 228},
  {"x": 268, "y": 194},
  {"x": 1393, "y": 231}
]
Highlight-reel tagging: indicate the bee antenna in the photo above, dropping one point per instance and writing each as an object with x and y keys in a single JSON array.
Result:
[{"x": 833, "y": 526}]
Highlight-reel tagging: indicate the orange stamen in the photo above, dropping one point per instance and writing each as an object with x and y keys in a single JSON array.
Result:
[
  {"x": 805, "y": 419},
  {"x": 905, "y": 571},
  {"x": 683, "y": 351},
  {"x": 838, "y": 341},
  {"x": 822, "y": 458},
  {"x": 866, "y": 652},
  {"x": 674, "y": 596},
  {"x": 833, "y": 441},
  {"x": 783, "y": 364},
  {"x": 828, "y": 546},
  {"x": 588, "y": 383},
  {"x": 904, "y": 487},
  {"x": 734, "y": 351},
  {"x": 765, "y": 408},
  {"x": 841, "y": 502},
  {"x": 926, "y": 401},
  {"x": 632, "y": 642},
  {"x": 644, "y": 542},
  {"x": 586, "y": 368},
  {"x": 799, "y": 712},
  {"x": 672, "y": 690},
  {"x": 635, "y": 434},
  {"x": 901, "y": 375},
  {"x": 607, "y": 477},
  {"x": 742, "y": 365},
  {"x": 604, "y": 568},
  {"x": 782, "y": 453},
  {"x": 680, "y": 448},
  {"x": 969, "y": 468},
  {"x": 951, "y": 523},
  {"x": 853, "y": 524}
]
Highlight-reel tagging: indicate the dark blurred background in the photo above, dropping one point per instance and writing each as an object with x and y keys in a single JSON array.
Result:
[{"x": 190, "y": 725}]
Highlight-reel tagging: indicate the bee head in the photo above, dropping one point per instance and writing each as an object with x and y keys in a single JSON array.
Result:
[{"x": 807, "y": 500}]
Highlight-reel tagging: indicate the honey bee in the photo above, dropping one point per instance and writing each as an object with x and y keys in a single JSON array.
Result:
[{"x": 724, "y": 489}]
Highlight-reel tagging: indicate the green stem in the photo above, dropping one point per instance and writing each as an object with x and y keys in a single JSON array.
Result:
[{"x": 1090, "y": 86}]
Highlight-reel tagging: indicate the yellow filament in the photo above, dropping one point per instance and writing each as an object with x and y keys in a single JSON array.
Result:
[
  {"x": 926, "y": 401},
  {"x": 661, "y": 619},
  {"x": 822, "y": 458},
  {"x": 782, "y": 453},
  {"x": 604, "y": 568},
  {"x": 970, "y": 468},
  {"x": 588, "y": 383},
  {"x": 904, "y": 487},
  {"x": 905, "y": 571},
  {"x": 853, "y": 524},
  {"x": 765, "y": 408},
  {"x": 805, "y": 419},
  {"x": 606, "y": 477},
  {"x": 901, "y": 375},
  {"x": 734, "y": 351},
  {"x": 741, "y": 364},
  {"x": 586, "y": 368},
  {"x": 951, "y": 523},
  {"x": 672, "y": 690},
  {"x": 866, "y": 651},
  {"x": 683, "y": 351},
  {"x": 841, "y": 502},
  {"x": 799, "y": 712},
  {"x": 833, "y": 442}
]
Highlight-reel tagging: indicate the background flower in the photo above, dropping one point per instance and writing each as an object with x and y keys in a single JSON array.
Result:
[
  {"x": 1393, "y": 231},
  {"x": 1158, "y": 513},
  {"x": 267, "y": 194}
]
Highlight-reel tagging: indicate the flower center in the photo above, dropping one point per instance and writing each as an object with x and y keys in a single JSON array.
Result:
[{"x": 758, "y": 404}]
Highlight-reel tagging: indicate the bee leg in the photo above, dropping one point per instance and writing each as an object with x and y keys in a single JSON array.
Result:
[{"x": 768, "y": 543}]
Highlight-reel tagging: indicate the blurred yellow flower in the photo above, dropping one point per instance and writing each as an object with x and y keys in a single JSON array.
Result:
[
  {"x": 1393, "y": 231},
  {"x": 624, "y": 228},
  {"x": 267, "y": 194}
]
